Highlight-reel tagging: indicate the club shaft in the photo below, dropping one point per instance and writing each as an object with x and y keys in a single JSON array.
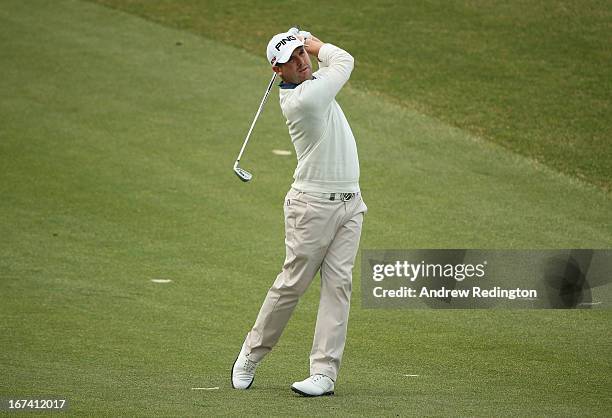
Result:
[{"x": 261, "y": 105}]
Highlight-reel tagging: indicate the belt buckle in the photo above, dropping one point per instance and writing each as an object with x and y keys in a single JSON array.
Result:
[{"x": 344, "y": 197}]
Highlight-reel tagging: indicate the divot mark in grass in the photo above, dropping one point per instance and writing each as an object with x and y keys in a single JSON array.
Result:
[
  {"x": 161, "y": 280},
  {"x": 281, "y": 152}
]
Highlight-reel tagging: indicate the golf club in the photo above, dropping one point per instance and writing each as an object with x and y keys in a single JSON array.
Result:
[{"x": 240, "y": 172}]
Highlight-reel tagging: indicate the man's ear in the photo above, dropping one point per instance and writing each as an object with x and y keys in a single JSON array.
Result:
[{"x": 278, "y": 70}]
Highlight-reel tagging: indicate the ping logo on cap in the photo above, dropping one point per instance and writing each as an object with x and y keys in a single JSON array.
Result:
[{"x": 284, "y": 41}]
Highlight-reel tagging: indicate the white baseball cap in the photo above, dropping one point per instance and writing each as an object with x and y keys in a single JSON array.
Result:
[{"x": 281, "y": 47}]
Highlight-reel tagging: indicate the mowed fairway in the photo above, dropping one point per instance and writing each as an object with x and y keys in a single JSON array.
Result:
[{"x": 117, "y": 138}]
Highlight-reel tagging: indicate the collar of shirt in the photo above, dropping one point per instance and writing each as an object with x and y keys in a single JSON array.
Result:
[{"x": 291, "y": 86}]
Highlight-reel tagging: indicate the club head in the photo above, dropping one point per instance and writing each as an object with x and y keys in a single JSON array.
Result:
[{"x": 242, "y": 174}]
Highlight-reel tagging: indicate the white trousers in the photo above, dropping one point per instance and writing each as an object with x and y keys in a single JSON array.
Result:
[{"x": 319, "y": 235}]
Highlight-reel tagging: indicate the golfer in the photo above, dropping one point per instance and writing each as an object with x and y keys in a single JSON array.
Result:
[{"x": 323, "y": 212}]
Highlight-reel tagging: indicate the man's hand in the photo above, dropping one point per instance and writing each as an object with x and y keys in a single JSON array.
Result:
[{"x": 312, "y": 45}]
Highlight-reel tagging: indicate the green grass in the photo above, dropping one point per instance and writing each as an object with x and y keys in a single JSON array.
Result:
[
  {"x": 533, "y": 77},
  {"x": 116, "y": 146}
]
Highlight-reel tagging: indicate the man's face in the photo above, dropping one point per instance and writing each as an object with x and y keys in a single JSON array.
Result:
[{"x": 297, "y": 69}]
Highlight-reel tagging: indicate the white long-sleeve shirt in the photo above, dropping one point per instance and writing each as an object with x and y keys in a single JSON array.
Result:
[{"x": 323, "y": 140}]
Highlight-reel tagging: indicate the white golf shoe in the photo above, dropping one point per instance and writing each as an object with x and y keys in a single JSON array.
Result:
[
  {"x": 315, "y": 385},
  {"x": 243, "y": 371}
]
